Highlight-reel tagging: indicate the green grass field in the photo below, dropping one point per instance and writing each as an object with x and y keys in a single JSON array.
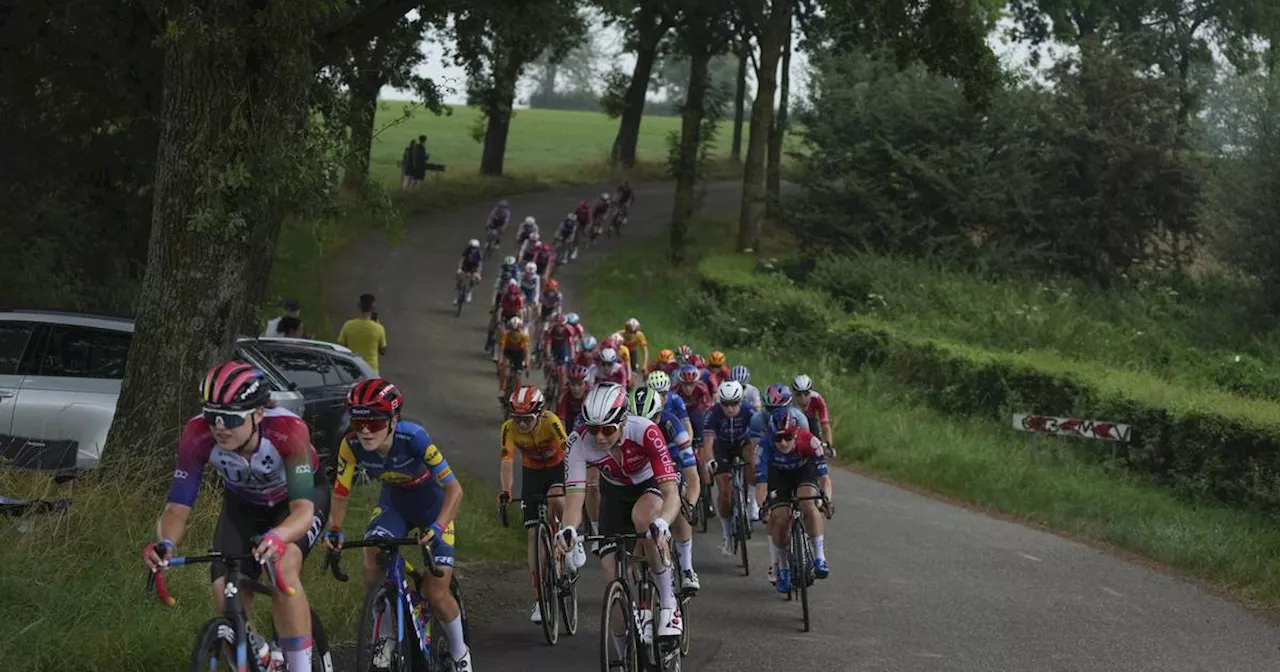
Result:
[{"x": 886, "y": 430}]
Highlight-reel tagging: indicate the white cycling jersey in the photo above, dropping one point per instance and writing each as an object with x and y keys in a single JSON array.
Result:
[{"x": 641, "y": 454}]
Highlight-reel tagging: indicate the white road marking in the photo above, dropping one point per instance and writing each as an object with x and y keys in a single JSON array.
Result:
[
  {"x": 1111, "y": 592},
  {"x": 1030, "y": 557}
]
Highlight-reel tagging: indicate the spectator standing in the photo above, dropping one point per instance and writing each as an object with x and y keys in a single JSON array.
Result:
[
  {"x": 291, "y": 309},
  {"x": 365, "y": 335}
]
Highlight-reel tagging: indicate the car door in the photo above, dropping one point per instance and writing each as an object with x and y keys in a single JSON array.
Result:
[
  {"x": 66, "y": 403},
  {"x": 15, "y": 339},
  {"x": 313, "y": 372}
]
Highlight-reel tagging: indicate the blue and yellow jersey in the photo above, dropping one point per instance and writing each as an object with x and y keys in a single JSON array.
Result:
[{"x": 414, "y": 463}]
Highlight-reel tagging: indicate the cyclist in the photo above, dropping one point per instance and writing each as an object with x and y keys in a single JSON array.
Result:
[
  {"x": 509, "y": 304},
  {"x": 557, "y": 342},
  {"x": 609, "y": 370},
  {"x": 471, "y": 263},
  {"x": 567, "y": 233},
  {"x": 530, "y": 288},
  {"x": 793, "y": 465},
  {"x": 646, "y": 402},
  {"x": 583, "y": 212},
  {"x": 683, "y": 353},
  {"x": 529, "y": 227},
  {"x": 638, "y": 489},
  {"x": 506, "y": 273},
  {"x": 514, "y": 346},
  {"x": 499, "y": 217},
  {"x": 633, "y": 338},
  {"x": 576, "y": 325},
  {"x": 549, "y": 305},
  {"x": 600, "y": 210},
  {"x": 665, "y": 362},
  {"x": 419, "y": 491},
  {"x": 539, "y": 436},
  {"x": 624, "y": 353},
  {"x": 776, "y": 396},
  {"x": 626, "y": 195},
  {"x": 697, "y": 400},
  {"x": 750, "y": 393},
  {"x": 814, "y": 407},
  {"x": 725, "y": 435},
  {"x": 716, "y": 365},
  {"x": 586, "y": 352},
  {"x": 569, "y": 405},
  {"x": 544, "y": 258},
  {"x": 709, "y": 374},
  {"x": 272, "y": 486},
  {"x": 673, "y": 403}
]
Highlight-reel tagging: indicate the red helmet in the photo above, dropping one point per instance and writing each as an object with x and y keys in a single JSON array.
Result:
[
  {"x": 612, "y": 342},
  {"x": 578, "y": 374},
  {"x": 698, "y": 361},
  {"x": 235, "y": 386},
  {"x": 558, "y": 318},
  {"x": 513, "y": 287},
  {"x": 374, "y": 397},
  {"x": 527, "y": 400},
  {"x": 684, "y": 352},
  {"x": 553, "y": 285}
]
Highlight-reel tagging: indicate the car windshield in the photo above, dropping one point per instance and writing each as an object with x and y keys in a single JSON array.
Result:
[{"x": 253, "y": 356}]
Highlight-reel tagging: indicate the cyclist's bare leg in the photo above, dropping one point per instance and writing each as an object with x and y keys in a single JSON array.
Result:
[
  {"x": 780, "y": 525},
  {"x": 593, "y": 497},
  {"x": 436, "y": 588},
  {"x": 292, "y": 614},
  {"x": 813, "y": 519},
  {"x": 555, "y": 505},
  {"x": 724, "y": 492}
]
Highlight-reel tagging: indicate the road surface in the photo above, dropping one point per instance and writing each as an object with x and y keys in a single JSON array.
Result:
[{"x": 917, "y": 584}]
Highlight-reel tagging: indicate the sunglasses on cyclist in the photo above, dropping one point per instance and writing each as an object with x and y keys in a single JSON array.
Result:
[
  {"x": 605, "y": 430},
  {"x": 525, "y": 419},
  {"x": 228, "y": 419},
  {"x": 787, "y": 437},
  {"x": 371, "y": 425}
]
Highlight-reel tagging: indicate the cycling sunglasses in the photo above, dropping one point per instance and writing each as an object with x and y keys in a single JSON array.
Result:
[
  {"x": 372, "y": 425},
  {"x": 526, "y": 419},
  {"x": 228, "y": 419},
  {"x": 788, "y": 436},
  {"x": 606, "y": 430}
]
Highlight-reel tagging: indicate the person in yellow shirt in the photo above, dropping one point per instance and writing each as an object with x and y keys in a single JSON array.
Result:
[
  {"x": 513, "y": 348},
  {"x": 635, "y": 341},
  {"x": 538, "y": 435},
  {"x": 365, "y": 335}
]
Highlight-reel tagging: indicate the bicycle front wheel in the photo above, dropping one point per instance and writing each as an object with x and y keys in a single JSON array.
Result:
[
  {"x": 801, "y": 566},
  {"x": 619, "y": 640},
  {"x": 215, "y": 648},
  {"x": 376, "y": 645},
  {"x": 544, "y": 558}
]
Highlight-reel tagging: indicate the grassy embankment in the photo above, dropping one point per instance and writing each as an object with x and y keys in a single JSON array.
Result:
[
  {"x": 886, "y": 428},
  {"x": 546, "y": 149}
]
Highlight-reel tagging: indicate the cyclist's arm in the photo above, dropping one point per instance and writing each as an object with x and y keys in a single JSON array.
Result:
[
  {"x": 194, "y": 448},
  {"x": 342, "y": 485},
  {"x": 664, "y": 471},
  {"x": 575, "y": 493},
  {"x": 293, "y": 439},
  {"x": 508, "y": 453},
  {"x": 824, "y": 474},
  {"x": 445, "y": 477}
]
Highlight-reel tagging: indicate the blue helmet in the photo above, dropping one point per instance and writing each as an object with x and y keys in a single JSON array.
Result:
[
  {"x": 740, "y": 374},
  {"x": 571, "y": 318},
  {"x": 777, "y": 395},
  {"x": 783, "y": 422},
  {"x": 588, "y": 342},
  {"x": 687, "y": 373}
]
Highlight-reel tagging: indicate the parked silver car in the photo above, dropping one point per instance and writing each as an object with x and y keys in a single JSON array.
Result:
[{"x": 60, "y": 377}]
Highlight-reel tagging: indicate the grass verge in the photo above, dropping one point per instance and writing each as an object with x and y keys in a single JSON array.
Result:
[
  {"x": 886, "y": 429},
  {"x": 71, "y": 591}
]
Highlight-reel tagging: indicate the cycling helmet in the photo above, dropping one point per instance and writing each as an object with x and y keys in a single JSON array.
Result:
[
  {"x": 659, "y": 381},
  {"x": 589, "y": 343},
  {"x": 604, "y": 196},
  {"x": 802, "y": 383},
  {"x": 782, "y": 421},
  {"x": 644, "y": 403},
  {"x": 613, "y": 341},
  {"x": 513, "y": 287},
  {"x": 739, "y": 373},
  {"x": 578, "y": 374},
  {"x": 684, "y": 352},
  {"x": 235, "y": 386},
  {"x": 533, "y": 236},
  {"x": 527, "y": 400},
  {"x": 530, "y": 221},
  {"x": 473, "y": 243},
  {"x": 633, "y": 324},
  {"x": 606, "y": 404},
  {"x": 503, "y": 204},
  {"x": 571, "y": 318},
  {"x": 571, "y": 217},
  {"x": 584, "y": 203},
  {"x": 553, "y": 285},
  {"x": 716, "y": 358},
  {"x": 608, "y": 356},
  {"x": 557, "y": 318},
  {"x": 666, "y": 355},
  {"x": 531, "y": 268},
  {"x": 730, "y": 392},
  {"x": 698, "y": 361},
  {"x": 374, "y": 397},
  {"x": 688, "y": 374},
  {"x": 509, "y": 261},
  {"x": 515, "y": 323},
  {"x": 777, "y": 395}
]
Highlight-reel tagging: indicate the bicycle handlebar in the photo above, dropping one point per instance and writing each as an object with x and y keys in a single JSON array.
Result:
[
  {"x": 333, "y": 557},
  {"x": 504, "y": 500},
  {"x": 156, "y": 582}
]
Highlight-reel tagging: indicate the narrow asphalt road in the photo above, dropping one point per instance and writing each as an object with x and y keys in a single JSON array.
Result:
[{"x": 917, "y": 584}]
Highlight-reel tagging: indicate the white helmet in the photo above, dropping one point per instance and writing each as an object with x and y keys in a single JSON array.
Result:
[
  {"x": 473, "y": 243},
  {"x": 604, "y": 196},
  {"x": 609, "y": 356},
  {"x": 606, "y": 404},
  {"x": 515, "y": 323},
  {"x": 530, "y": 221},
  {"x": 633, "y": 324},
  {"x": 801, "y": 383},
  {"x": 531, "y": 267},
  {"x": 571, "y": 217},
  {"x": 730, "y": 392}
]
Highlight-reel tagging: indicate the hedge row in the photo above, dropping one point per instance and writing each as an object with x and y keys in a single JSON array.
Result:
[{"x": 1201, "y": 442}]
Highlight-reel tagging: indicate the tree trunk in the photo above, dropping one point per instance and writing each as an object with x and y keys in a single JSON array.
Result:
[
  {"x": 498, "y": 108},
  {"x": 363, "y": 109},
  {"x": 739, "y": 102},
  {"x": 624, "y": 144},
  {"x": 780, "y": 123},
  {"x": 754, "y": 171},
  {"x": 232, "y": 150},
  {"x": 687, "y": 165}
]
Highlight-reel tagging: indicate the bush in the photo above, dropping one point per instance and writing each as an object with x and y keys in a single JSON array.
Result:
[{"x": 1204, "y": 443}]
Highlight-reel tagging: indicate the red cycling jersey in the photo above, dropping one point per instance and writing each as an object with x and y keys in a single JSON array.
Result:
[
  {"x": 585, "y": 358},
  {"x": 816, "y": 411},
  {"x": 601, "y": 374},
  {"x": 643, "y": 452},
  {"x": 698, "y": 398},
  {"x": 511, "y": 305},
  {"x": 569, "y": 407}
]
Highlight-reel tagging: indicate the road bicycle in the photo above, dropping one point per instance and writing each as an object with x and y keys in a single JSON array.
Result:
[
  {"x": 629, "y": 596},
  {"x": 492, "y": 241},
  {"x": 421, "y": 647},
  {"x": 557, "y": 589},
  {"x": 465, "y": 285},
  {"x": 226, "y": 642},
  {"x": 741, "y": 523},
  {"x": 800, "y": 553}
]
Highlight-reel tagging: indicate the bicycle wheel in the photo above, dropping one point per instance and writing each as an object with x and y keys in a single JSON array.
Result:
[
  {"x": 544, "y": 562},
  {"x": 215, "y": 647},
  {"x": 378, "y": 626},
  {"x": 461, "y": 299},
  {"x": 568, "y": 595},
  {"x": 799, "y": 561},
  {"x": 684, "y": 618},
  {"x": 619, "y": 650}
]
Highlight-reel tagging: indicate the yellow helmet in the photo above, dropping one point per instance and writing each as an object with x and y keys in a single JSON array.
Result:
[
  {"x": 716, "y": 358},
  {"x": 666, "y": 356}
]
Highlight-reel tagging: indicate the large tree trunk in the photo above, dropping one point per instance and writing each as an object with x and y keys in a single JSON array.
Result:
[
  {"x": 754, "y": 197},
  {"x": 687, "y": 165},
  {"x": 624, "y": 144},
  {"x": 361, "y": 113},
  {"x": 780, "y": 123},
  {"x": 227, "y": 172},
  {"x": 739, "y": 102},
  {"x": 499, "y": 103}
]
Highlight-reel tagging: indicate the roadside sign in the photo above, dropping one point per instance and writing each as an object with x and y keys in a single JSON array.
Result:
[{"x": 1077, "y": 427}]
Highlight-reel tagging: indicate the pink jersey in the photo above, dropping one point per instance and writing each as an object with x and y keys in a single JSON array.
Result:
[
  {"x": 643, "y": 452},
  {"x": 598, "y": 374}
]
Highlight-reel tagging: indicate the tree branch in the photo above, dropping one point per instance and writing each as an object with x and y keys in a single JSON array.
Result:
[{"x": 359, "y": 28}]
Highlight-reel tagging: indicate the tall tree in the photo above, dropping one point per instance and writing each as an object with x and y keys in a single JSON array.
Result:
[
  {"x": 779, "y": 130},
  {"x": 645, "y": 23},
  {"x": 704, "y": 28},
  {"x": 496, "y": 41},
  {"x": 767, "y": 20},
  {"x": 236, "y": 156},
  {"x": 739, "y": 100}
]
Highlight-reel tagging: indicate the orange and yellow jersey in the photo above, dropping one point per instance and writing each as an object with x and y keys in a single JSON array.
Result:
[
  {"x": 512, "y": 341},
  {"x": 541, "y": 448}
]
